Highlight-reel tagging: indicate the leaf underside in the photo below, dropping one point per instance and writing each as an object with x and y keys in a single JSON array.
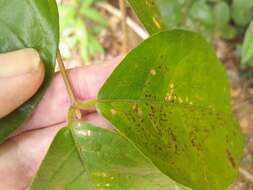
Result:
[
  {"x": 88, "y": 157},
  {"x": 34, "y": 25},
  {"x": 170, "y": 97}
]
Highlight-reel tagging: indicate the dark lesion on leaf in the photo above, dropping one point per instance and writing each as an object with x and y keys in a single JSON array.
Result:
[
  {"x": 172, "y": 140},
  {"x": 172, "y": 135},
  {"x": 161, "y": 56},
  {"x": 194, "y": 140},
  {"x": 130, "y": 117},
  {"x": 150, "y": 96},
  {"x": 230, "y": 158}
]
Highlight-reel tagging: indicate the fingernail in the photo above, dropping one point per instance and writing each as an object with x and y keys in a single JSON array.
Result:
[{"x": 19, "y": 62}]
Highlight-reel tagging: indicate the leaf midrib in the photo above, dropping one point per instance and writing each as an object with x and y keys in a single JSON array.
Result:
[
  {"x": 150, "y": 101},
  {"x": 77, "y": 148},
  {"x": 134, "y": 172},
  {"x": 61, "y": 165}
]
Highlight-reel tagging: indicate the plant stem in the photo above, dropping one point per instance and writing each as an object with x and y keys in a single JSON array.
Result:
[
  {"x": 80, "y": 106},
  {"x": 68, "y": 85},
  {"x": 122, "y": 5},
  {"x": 86, "y": 105},
  {"x": 71, "y": 115}
]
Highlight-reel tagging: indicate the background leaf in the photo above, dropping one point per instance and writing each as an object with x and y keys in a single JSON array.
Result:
[
  {"x": 35, "y": 24},
  {"x": 221, "y": 13},
  {"x": 161, "y": 15},
  {"x": 242, "y": 11},
  {"x": 219, "y": 18},
  {"x": 202, "y": 13},
  {"x": 170, "y": 97},
  {"x": 247, "y": 47},
  {"x": 111, "y": 161},
  {"x": 149, "y": 14}
]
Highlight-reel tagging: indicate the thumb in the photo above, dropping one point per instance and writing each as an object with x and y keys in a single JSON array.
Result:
[
  {"x": 21, "y": 74},
  {"x": 18, "y": 62}
]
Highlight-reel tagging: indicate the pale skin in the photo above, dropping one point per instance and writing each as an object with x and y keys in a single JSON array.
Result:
[{"x": 22, "y": 153}]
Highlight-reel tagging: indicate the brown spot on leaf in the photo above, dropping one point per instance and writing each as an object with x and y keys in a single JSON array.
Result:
[{"x": 230, "y": 158}]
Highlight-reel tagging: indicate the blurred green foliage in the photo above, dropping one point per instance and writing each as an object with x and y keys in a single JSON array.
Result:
[
  {"x": 227, "y": 19},
  {"x": 80, "y": 25}
]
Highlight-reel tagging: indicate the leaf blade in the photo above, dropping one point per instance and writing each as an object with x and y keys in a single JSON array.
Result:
[
  {"x": 247, "y": 47},
  {"x": 110, "y": 160},
  {"x": 61, "y": 166},
  {"x": 151, "y": 18},
  {"x": 179, "y": 97}
]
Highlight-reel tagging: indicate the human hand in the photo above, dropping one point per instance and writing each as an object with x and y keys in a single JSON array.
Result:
[
  {"x": 19, "y": 70},
  {"x": 21, "y": 155}
]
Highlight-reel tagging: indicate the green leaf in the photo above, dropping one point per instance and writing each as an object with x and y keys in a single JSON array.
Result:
[
  {"x": 170, "y": 97},
  {"x": 83, "y": 156},
  {"x": 149, "y": 14},
  {"x": 93, "y": 15},
  {"x": 242, "y": 11},
  {"x": 221, "y": 14},
  {"x": 28, "y": 23},
  {"x": 247, "y": 47},
  {"x": 171, "y": 12},
  {"x": 202, "y": 13},
  {"x": 159, "y": 15}
]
